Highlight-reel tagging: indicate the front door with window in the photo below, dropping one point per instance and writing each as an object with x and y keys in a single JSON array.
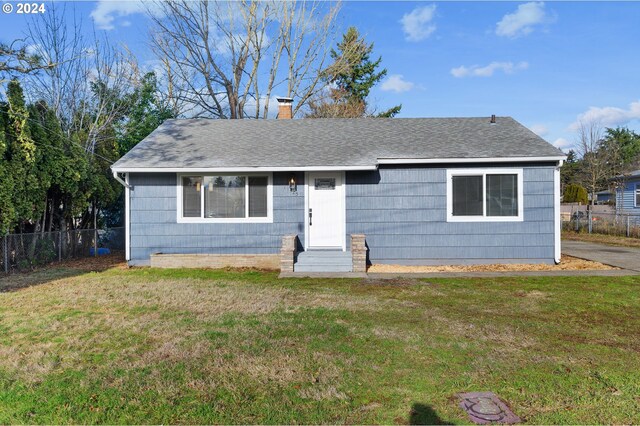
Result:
[{"x": 325, "y": 211}]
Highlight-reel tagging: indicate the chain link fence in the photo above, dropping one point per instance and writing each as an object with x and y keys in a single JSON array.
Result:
[
  {"x": 21, "y": 252},
  {"x": 618, "y": 224}
]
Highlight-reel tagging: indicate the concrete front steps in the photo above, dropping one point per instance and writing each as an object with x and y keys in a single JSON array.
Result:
[{"x": 323, "y": 261}]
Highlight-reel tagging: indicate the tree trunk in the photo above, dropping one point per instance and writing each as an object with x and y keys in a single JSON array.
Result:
[{"x": 51, "y": 213}]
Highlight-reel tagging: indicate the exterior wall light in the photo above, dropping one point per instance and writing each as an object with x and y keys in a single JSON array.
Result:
[{"x": 293, "y": 185}]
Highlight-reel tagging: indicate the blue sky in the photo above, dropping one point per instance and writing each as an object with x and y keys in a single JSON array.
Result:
[{"x": 547, "y": 64}]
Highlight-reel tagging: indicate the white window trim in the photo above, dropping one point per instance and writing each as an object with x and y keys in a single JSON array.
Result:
[
  {"x": 635, "y": 195},
  {"x": 483, "y": 172},
  {"x": 268, "y": 219}
]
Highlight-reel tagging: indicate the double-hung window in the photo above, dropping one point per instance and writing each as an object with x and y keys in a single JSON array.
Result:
[
  {"x": 484, "y": 195},
  {"x": 225, "y": 198},
  {"x": 637, "y": 194}
]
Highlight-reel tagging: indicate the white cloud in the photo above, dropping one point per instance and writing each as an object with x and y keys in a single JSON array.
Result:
[
  {"x": 107, "y": 11},
  {"x": 417, "y": 24},
  {"x": 251, "y": 105},
  {"x": 489, "y": 70},
  {"x": 609, "y": 116},
  {"x": 397, "y": 83},
  {"x": 563, "y": 144},
  {"x": 522, "y": 21},
  {"x": 539, "y": 129}
]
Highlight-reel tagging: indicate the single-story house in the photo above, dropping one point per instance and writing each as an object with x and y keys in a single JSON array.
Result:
[
  {"x": 604, "y": 197},
  {"x": 330, "y": 194},
  {"x": 628, "y": 193}
]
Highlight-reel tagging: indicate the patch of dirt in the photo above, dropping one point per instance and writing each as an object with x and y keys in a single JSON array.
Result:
[
  {"x": 99, "y": 263},
  {"x": 568, "y": 263},
  {"x": 57, "y": 270}
]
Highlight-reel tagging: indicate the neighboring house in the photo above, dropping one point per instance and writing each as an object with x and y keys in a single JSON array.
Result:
[
  {"x": 628, "y": 193},
  {"x": 418, "y": 191},
  {"x": 605, "y": 197}
]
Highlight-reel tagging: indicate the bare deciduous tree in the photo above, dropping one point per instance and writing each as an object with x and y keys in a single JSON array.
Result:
[
  {"x": 228, "y": 58},
  {"x": 596, "y": 162},
  {"x": 335, "y": 103},
  {"x": 89, "y": 78}
]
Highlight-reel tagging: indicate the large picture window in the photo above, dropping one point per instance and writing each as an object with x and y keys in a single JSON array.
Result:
[
  {"x": 224, "y": 198},
  {"x": 484, "y": 195}
]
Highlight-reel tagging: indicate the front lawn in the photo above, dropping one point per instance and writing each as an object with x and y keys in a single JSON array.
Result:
[{"x": 184, "y": 346}]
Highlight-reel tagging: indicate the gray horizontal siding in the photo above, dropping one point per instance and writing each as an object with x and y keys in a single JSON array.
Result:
[
  {"x": 154, "y": 227},
  {"x": 402, "y": 212},
  {"x": 452, "y": 240},
  {"x": 452, "y": 228},
  {"x": 464, "y": 252}
]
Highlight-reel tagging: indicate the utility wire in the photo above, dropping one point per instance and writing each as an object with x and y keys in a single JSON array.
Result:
[{"x": 64, "y": 138}]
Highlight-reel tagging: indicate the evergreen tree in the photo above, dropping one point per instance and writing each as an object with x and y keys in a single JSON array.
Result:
[
  {"x": 61, "y": 165},
  {"x": 624, "y": 146},
  {"x": 575, "y": 194},
  {"x": 146, "y": 112},
  {"x": 7, "y": 212},
  {"x": 16, "y": 61},
  {"x": 570, "y": 168},
  {"x": 355, "y": 73},
  {"x": 20, "y": 157},
  {"x": 352, "y": 75}
]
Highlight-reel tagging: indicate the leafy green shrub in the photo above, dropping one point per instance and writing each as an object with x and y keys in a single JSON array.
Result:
[
  {"x": 575, "y": 194},
  {"x": 45, "y": 251}
]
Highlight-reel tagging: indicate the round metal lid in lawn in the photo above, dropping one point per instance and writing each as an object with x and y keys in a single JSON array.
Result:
[{"x": 486, "y": 407}]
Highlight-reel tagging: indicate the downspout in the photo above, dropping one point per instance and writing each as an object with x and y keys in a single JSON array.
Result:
[
  {"x": 127, "y": 224},
  {"x": 556, "y": 208},
  {"x": 119, "y": 179}
]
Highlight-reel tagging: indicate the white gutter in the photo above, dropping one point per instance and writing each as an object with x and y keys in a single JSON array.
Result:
[
  {"x": 469, "y": 160},
  {"x": 237, "y": 169},
  {"x": 119, "y": 179},
  {"x": 331, "y": 168}
]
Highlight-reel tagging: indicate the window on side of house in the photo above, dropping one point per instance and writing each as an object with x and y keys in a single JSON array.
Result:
[
  {"x": 637, "y": 194},
  {"x": 225, "y": 198},
  {"x": 191, "y": 206},
  {"x": 484, "y": 195},
  {"x": 467, "y": 195}
]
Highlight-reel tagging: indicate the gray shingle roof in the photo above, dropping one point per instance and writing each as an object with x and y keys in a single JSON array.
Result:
[{"x": 201, "y": 143}]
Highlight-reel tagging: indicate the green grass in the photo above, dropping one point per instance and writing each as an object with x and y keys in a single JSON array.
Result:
[{"x": 189, "y": 346}]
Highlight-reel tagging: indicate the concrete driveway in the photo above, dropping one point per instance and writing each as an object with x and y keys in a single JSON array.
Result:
[{"x": 622, "y": 257}]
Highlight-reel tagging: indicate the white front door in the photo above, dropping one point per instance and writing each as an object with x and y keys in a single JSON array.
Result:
[{"x": 325, "y": 210}]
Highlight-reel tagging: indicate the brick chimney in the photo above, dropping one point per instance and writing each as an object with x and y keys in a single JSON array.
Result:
[{"x": 285, "y": 110}]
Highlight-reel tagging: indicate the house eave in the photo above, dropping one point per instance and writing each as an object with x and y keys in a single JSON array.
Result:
[
  {"x": 238, "y": 169},
  {"x": 125, "y": 169},
  {"x": 557, "y": 158}
]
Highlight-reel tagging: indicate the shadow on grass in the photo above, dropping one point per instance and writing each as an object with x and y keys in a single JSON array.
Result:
[
  {"x": 55, "y": 271},
  {"x": 423, "y": 414}
]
